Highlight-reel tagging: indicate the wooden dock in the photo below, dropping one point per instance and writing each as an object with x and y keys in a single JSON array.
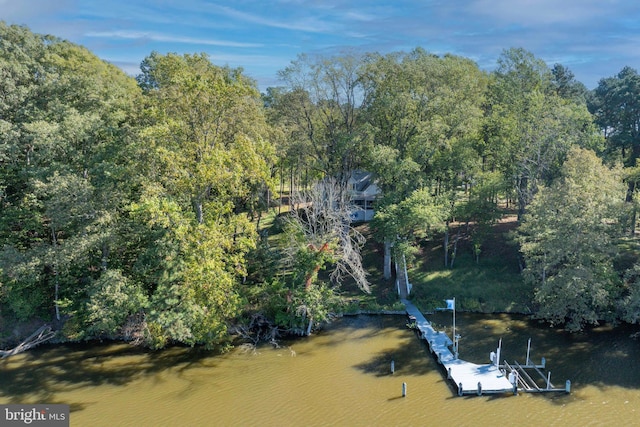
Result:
[{"x": 472, "y": 379}]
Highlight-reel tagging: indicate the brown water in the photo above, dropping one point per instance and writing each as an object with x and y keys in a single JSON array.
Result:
[{"x": 340, "y": 377}]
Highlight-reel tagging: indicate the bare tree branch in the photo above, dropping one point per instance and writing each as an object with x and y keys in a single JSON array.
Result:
[
  {"x": 324, "y": 218},
  {"x": 43, "y": 334}
]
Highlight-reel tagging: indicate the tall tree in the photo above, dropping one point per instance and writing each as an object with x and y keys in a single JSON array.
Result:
[
  {"x": 320, "y": 105},
  {"x": 208, "y": 155},
  {"x": 401, "y": 223},
  {"x": 66, "y": 124},
  {"x": 565, "y": 85},
  {"x": 426, "y": 107},
  {"x": 616, "y": 107},
  {"x": 567, "y": 239},
  {"x": 481, "y": 207},
  {"x": 529, "y": 128},
  {"x": 424, "y": 114}
]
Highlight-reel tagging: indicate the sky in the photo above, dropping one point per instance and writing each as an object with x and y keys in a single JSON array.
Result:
[{"x": 593, "y": 38}]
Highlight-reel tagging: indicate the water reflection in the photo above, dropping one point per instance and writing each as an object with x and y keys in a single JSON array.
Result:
[
  {"x": 341, "y": 376},
  {"x": 601, "y": 356}
]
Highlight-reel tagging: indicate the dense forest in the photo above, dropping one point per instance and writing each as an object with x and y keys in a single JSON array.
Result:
[{"x": 151, "y": 208}]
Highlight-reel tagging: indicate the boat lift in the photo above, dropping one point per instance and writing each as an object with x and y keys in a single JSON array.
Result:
[
  {"x": 470, "y": 378},
  {"x": 521, "y": 375}
]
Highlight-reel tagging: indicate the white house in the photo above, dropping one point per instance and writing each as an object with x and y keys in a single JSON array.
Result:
[{"x": 364, "y": 192}]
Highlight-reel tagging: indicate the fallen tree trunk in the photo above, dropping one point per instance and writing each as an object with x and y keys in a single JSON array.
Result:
[{"x": 43, "y": 334}]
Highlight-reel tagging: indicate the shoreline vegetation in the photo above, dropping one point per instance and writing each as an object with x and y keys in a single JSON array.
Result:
[
  {"x": 383, "y": 300},
  {"x": 183, "y": 206}
]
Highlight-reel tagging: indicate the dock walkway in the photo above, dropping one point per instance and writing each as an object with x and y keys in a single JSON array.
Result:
[{"x": 468, "y": 377}]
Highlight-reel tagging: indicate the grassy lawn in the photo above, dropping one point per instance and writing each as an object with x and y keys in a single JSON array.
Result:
[
  {"x": 488, "y": 286},
  {"x": 493, "y": 284}
]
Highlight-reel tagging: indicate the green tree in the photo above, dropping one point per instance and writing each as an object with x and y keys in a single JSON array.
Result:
[
  {"x": 112, "y": 298},
  {"x": 208, "y": 158},
  {"x": 568, "y": 239},
  {"x": 424, "y": 115},
  {"x": 480, "y": 207},
  {"x": 413, "y": 217},
  {"x": 319, "y": 107},
  {"x": 66, "y": 124},
  {"x": 616, "y": 107},
  {"x": 529, "y": 128},
  {"x": 565, "y": 85},
  {"x": 426, "y": 107}
]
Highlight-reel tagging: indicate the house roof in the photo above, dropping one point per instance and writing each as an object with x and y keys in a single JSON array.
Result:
[{"x": 361, "y": 180}]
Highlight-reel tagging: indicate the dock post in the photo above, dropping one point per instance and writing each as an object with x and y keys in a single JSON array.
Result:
[
  {"x": 549, "y": 380},
  {"x": 393, "y": 366},
  {"x": 543, "y": 362},
  {"x": 567, "y": 386},
  {"x": 460, "y": 389},
  {"x": 479, "y": 388},
  {"x": 513, "y": 378},
  {"x": 528, "y": 350},
  {"x": 449, "y": 373},
  {"x": 404, "y": 389}
]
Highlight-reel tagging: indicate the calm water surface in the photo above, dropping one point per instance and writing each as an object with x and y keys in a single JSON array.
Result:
[{"x": 340, "y": 377}]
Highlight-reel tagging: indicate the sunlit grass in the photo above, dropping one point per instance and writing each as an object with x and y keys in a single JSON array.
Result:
[{"x": 491, "y": 284}]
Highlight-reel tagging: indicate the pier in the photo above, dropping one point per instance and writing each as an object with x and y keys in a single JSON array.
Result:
[{"x": 473, "y": 379}]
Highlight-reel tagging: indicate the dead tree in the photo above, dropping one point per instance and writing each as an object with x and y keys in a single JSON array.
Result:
[
  {"x": 258, "y": 330},
  {"x": 43, "y": 334},
  {"x": 324, "y": 217}
]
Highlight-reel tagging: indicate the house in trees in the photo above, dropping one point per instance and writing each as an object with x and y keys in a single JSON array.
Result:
[{"x": 363, "y": 191}]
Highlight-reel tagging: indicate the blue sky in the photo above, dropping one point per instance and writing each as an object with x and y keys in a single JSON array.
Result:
[{"x": 594, "y": 38}]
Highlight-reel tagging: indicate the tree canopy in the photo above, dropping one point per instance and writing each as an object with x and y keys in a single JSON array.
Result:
[
  {"x": 568, "y": 239},
  {"x": 131, "y": 207}
]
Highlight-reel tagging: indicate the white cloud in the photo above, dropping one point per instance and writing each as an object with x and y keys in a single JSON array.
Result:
[
  {"x": 593, "y": 37},
  {"x": 359, "y": 16},
  {"x": 23, "y": 11},
  {"x": 157, "y": 37},
  {"x": 305, "y": 23}
]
